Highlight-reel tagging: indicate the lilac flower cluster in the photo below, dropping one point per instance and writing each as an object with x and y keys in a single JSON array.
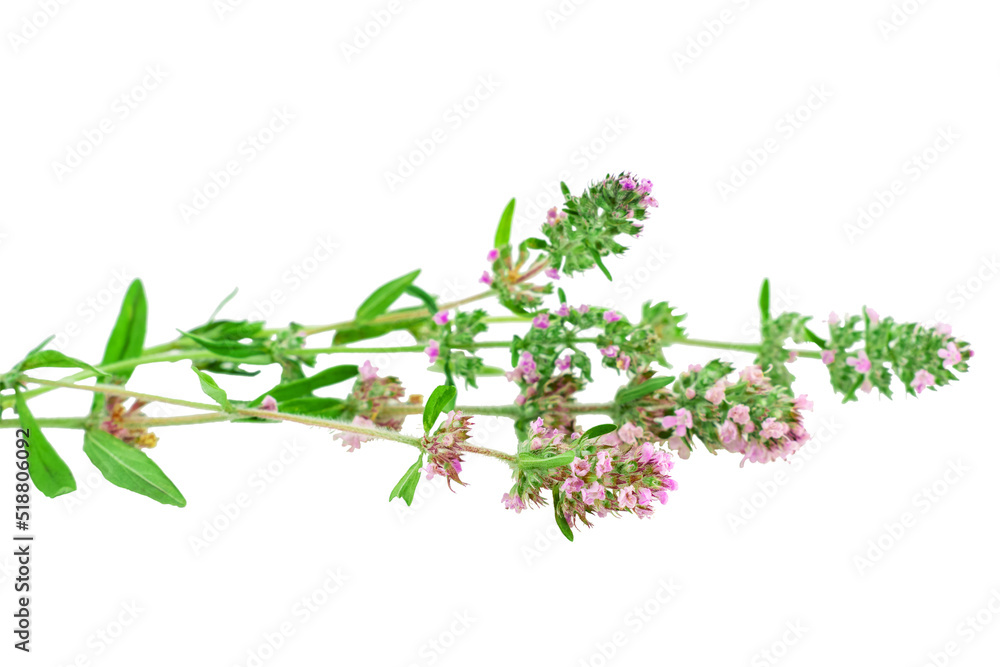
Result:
[
  {"x": 117, "y": 423},
  {"x": 373, "y": 394},
  {"x": 601, "y": 479},
  {"x": 444, "y": 454}
]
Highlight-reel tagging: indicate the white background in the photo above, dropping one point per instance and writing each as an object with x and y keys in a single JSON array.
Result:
[{"x": 595, "y": 87}]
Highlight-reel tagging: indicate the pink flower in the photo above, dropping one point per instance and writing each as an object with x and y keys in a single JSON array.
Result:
[
  {"x": 564, "y": 363},
  {"x": 872, "y": 316},
  {"x": 792, "y": 355},
  {"x": 645, "y": 496},
  {"x": 486, "y": 279},
  {"x": 629, "y": 214},
  {"x": 593, "y": 493},
  {"x": 689, "y": 392},
  {"x": 922, "y": 380},
  {"x": 432, "y": 350},
  {"x": 611, "y": 316},
  {"x": 772, "y": 428},
  {"x": 740, "y": 414},
  {"x": 943, "y": 329},
  {"x": 827, "y": 356},
  {"x": 679, "y": 446},
  {"x": 861, "y": 363},
  {"x": 694, "y": 368},
  {"x": 752, "y": 375},
  {"x": 716, "y": 393},
  {"x": 513, "y": 502},
  {"x": 802, "y": 402},
  {"x": 833, "y": 318},
  {"x": 541, "y": 321},
  {"x": 627, "y": 183},
  {"x": 645, "y": 186},
  {"x": 603, "y": 463},
  {"x": 610, "y": 351},
  {"x": 269, "y": 404},
  {"x": 563, "y": 310},
  {"x": 353, "y": 440},
  {"x": 552, "y": 273},
  {"x": 950, "y": 354},
  {"x": 630, "y": 433},
  {"x": 584, "y": 309},
  {"x": 555, "y": 215},
  {"x": 649, "y": 202},
  {"x": 647, "y": 453},
  {"x": 441, "y": 317},
  {"x": 681, "y": 421},
  {"x": 572, "y": 485},
  {"x": 537, "y": 427},
  {"x": 367, "y": 371},
  {"x": 661, "y": 495},
  {"x": 624, "y": 361},
  {"x": 492, "y": 256},
  {"x": 520, "y": 400},
  {"x": 580, "y": 467},
  {"x": 727, "y": 432},
  {"x": 627, "y": 497}
]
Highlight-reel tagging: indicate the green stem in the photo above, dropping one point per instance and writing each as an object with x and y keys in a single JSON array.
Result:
[{"x": 54, "y": 422}]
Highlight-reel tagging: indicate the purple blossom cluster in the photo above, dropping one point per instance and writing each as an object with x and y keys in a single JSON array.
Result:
[
  {"x": 602, "y": 479},
  {"x": 444, "y": 454}
]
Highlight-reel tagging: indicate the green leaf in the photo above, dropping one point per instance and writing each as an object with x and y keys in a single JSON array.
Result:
[
  {"x": 213, "y": 390},
  {"x": 428, "y": 300},
  {"x": 383, "y": 297},
  {"x": 211, "y": 318},
  {"x": 503, "y": 228},
  {"x": 598, "y": 431},
  {"x": 813, "y": 338},
  {"x": 128, "y": 335},
  {"x": 329, "y": 408},
  {"x": 529, "y": 462},
  {"x": 227, "y": 348},
  {"x": 48, "y": 471},
  {"x": 437, "y": 402},
  {"x": 562, "y": 295},
  {"x": 125, "y": 466},
  {"x": 234, "y": 330},
  {"x": 765, "y": 301},
  {"x": 407, "y": 485},
  {"x": 535, "y": 244},
  {"x": 560, "y": 519},
  {"x": 600, "y": 263},
  {"x": 627, "y": 395},
  {"x": 306, "y": 386},
  {"x": 54, "y": 359},
  {"x": 366, "y": 332},
  {"x": 565, "y": 190}
]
